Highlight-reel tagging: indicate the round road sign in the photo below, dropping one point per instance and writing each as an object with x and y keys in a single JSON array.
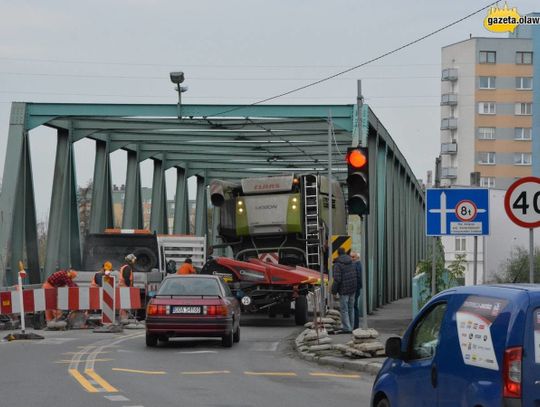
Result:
[
  {"x": 522, "y": 202},
  {"x": 466, "y": 210}
]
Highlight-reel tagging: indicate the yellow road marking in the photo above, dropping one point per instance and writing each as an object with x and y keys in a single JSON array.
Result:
[
  {"x": 117, "y": 369},
  {"x": 101, "y": 381},
  {"x": 82, "y": 381},
  {"x": 208, "y": 372},
  {"x": 270, "y": 373},
  {"x": 343, "y": 376},
  {"x": 96, "y": 360}
]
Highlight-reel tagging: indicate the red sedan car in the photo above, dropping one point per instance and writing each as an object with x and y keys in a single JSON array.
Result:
[{"x": 193, "y": 306}]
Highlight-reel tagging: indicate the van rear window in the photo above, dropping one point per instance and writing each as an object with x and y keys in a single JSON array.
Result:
[{"x": 474, "y": 319}]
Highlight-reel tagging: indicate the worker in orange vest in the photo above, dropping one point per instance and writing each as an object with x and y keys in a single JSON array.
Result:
[
  {"x": 126, "y": 279},
  {"x": 186, "y": 267},
  {"x": 62, "y": 278},
  {"x": 105, "y": 270}
]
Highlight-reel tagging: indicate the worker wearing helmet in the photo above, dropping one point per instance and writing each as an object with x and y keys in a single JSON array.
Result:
[
  {"x": 126, "y": 279},
  {"x": 186, "y": 267},
  {"x": 61, "y": 278},
  {"x": 105, "y": 270},
  {"x": 126, "y": 271}
]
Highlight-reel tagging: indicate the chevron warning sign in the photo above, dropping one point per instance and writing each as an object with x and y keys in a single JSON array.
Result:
[{"x": 340, "y": 241}]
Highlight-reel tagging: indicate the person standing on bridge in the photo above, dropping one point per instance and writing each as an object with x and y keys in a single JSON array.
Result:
[
  {"x": 345, "y": 281},
  {"x": 61, "y": 278},
  {"x": 358, "y": 267},
  {"x": 186, "y": 267},
  {"x": 126, "y": 279}
]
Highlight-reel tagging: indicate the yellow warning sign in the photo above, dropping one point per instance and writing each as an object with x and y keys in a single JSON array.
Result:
[{"x": 338, "y": 241}]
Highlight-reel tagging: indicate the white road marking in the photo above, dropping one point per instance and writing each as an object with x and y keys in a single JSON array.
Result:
[
  {"x": 198, "y": 351},
  {"x": 264, "y": 346},
  {"x": 117, "y": 398}
]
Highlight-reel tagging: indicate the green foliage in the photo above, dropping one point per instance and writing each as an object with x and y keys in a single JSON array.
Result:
[
  {"x": 444, "y": 278},
  {"x": 516, "y": 267}
]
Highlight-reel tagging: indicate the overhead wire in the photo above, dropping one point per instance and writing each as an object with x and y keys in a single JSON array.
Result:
[{"x": 384, "y": 55}]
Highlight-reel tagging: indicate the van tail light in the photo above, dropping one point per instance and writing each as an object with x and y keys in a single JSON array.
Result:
[
  {"x": 512, "y": 372},
  {"x": 216, "y": 310},
  {"x": 153, "y": 309}
]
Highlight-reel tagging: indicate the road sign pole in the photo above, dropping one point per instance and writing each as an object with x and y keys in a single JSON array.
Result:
[
  {"x": 433, "y": 268},
  {"x": 475, "y": 261},
  {"x": 531, "y": 255}
]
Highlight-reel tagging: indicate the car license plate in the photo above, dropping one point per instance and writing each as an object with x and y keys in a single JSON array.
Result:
[{"x": 186, "y": 310}]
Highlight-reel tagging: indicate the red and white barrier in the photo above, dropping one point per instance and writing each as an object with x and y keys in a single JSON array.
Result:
[
  {"x": 107, "y": 315},
  {"x": 67, "y": 298}
]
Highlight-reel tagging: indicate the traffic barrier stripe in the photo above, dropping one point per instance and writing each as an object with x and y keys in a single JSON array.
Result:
[{"x": 66, "y": 298}]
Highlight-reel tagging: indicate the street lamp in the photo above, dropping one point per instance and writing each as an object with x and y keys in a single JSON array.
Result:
[{"x": 177, "y": 78}]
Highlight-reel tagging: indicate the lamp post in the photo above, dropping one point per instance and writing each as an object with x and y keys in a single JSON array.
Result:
[{"x": 177, "y": 78}]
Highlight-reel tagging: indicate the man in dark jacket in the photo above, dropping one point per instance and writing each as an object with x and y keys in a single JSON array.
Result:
[
  {"x": 345, "y": 283},
  {"x": 358, "y": 267}
]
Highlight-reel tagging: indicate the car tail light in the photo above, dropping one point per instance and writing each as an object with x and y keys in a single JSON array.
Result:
[
  {"x": 512, "y": 372},
  {"x": 153, "y": 309},
  {"x": 216, "y": 310}
]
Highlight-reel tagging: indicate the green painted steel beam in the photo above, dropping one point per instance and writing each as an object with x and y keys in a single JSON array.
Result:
[
  {"x": 158, "y": 215},
  {"x": 41, "y": 113},
  {"x": 201, "y": 208},
  {"x": 181, "y": 204},
  {"x": 132, "y": 216},
  {"x": 101, "y": 210}
]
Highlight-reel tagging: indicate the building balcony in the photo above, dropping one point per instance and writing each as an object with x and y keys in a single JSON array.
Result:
[
  {"x": 449, "y": 123},
  {"x": 449, "y": 74},
  {"x": 449, "y": 172},
  {"x": 449, "y": 148},
  {"x": 448, "y": 99}
]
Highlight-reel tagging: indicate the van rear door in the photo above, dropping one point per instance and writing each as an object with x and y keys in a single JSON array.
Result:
[{"x": 530, "y": 370}]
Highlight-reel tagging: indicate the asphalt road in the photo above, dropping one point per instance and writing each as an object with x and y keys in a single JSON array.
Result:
[{"x": 83, "y": 369}]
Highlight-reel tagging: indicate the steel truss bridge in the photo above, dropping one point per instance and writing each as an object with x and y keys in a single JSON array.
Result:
[{"x": 207, "y": 142}]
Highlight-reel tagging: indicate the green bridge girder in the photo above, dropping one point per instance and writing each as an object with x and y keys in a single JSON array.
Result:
[{"x": 209, "y": 141}]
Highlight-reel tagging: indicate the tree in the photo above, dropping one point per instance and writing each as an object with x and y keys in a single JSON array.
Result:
[{"x": 516, "y": 267}]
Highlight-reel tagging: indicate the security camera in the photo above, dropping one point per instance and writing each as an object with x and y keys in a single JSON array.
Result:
[{"x": 177, "y": 77}]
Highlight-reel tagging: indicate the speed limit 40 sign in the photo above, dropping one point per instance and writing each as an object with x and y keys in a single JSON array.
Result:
[{"x": 522, "y": 202}]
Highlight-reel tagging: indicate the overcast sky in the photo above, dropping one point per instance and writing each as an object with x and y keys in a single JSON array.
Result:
[{"x": 234, "y": 51}]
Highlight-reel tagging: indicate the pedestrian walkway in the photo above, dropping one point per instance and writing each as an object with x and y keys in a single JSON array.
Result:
[{"x": 389, "y": 320}]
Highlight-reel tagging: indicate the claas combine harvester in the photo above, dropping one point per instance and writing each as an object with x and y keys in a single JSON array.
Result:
[{"x": 277, "y": 229}]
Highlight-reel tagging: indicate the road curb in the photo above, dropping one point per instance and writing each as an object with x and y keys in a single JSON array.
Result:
[{"x": 371, "y": 366}]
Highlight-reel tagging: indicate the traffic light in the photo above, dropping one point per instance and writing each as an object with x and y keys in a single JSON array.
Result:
[{"x": 358, "y": 180}]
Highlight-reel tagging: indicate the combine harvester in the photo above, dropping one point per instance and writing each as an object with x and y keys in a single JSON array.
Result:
[{"x": 278, "y": 217}]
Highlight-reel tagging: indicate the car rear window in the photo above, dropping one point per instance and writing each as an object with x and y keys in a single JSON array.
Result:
[{"x": 190, "y": 286}]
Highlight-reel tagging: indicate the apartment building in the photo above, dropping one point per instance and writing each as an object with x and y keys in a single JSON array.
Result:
[
  {"x": 487, "y": 137},
  {"x": 486, "y": 111}
]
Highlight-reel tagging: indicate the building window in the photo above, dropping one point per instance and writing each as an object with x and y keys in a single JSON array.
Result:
[
  {"x": 524, "y": 82},
  {"x": 487, "y": 182},
  {"x": 488, "y": 57},
  {"x": 487, "y": 82},
  {"x": 522, "y": 133},
  {"x": 524, "y": 58},
  {"x": 486, "y": 158},
  {"x": 522, "y": 158},
  {"x": 486, "y": 133},
  {"x": 523, "y": 109},
  {"x": 486, "y": 107},
  {"x": 461, "y": 244}
]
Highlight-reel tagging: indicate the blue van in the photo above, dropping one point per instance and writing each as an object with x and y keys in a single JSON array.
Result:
[{"x": 475, "y": 346}]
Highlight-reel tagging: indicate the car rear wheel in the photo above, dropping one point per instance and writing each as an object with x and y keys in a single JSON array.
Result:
[
  {"x": 227, "y": 340},
  {"x": 301, "y": 310},
  {"x": 164, "y": 339},
  {"x": 383, "y": 403},
  {"x": 151, "y": 340},
  {"x": 236, "y": 336}
]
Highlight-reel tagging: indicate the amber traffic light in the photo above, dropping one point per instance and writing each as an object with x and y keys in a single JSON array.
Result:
[{"x": 358, "y": 180}]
